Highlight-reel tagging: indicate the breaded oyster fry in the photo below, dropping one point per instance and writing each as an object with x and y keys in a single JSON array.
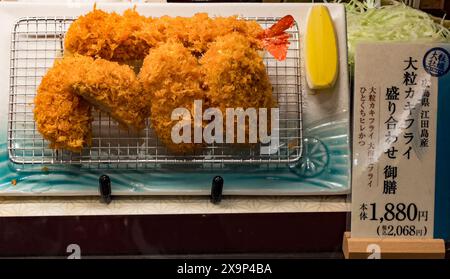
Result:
[
  {"x": 236, "y": 77},
  {"x": 172, "y": 76}
]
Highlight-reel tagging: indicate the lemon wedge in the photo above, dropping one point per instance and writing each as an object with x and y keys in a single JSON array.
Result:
[{"x": 321, "y": 53}]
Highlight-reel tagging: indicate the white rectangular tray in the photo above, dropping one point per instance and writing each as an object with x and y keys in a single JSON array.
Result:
[{"x": 325, "y": 123}]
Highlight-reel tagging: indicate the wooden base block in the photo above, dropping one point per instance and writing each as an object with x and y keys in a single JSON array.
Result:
[{"x": 392, "y": 248}]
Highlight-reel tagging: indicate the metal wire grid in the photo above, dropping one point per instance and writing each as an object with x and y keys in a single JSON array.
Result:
[{"x": 37, "y": 41}]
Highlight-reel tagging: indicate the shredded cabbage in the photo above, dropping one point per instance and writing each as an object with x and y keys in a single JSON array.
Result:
[{"x": 393, "y": 22}]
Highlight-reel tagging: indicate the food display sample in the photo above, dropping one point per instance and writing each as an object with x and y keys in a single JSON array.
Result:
[
  {"x": 225, "y": 56},
  {"x": 216, "y": 60},
  {"x": 116, "y": 90},
  {"x": 61, "y": 116},
  {"x": 321, "y": 54},
  {"x": 171, "y": 75},
  {"x": 130, "y": 36},
  {"x": 235, "y": 76},
  {"x": 109, "y": 36}
]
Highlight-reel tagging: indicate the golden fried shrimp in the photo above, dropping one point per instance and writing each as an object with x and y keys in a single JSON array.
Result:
[
  {"x": 108, "y": 35},
  {"x": 129, "y": 37},
  {"x": 172, "y": 76},
  {"x": 114, "y": 88},
  {"x": 62, "y": 117},
  {"x": 198, "y": 31}
]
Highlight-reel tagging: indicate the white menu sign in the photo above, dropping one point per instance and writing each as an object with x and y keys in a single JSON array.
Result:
[{"x": 394, "y": 140}]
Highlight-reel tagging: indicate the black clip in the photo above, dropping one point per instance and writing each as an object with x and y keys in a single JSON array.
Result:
[
  {"x": 105, "y": 189},
  {"x": 216, "y": 190}
]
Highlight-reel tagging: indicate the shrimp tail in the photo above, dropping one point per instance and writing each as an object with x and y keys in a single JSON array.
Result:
[{"x": 275, "y": 39}]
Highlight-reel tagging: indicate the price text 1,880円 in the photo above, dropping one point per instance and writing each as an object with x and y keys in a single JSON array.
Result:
[{"x": 398, "y": 214}]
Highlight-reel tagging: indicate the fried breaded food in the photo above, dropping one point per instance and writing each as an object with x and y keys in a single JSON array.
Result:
[
  {"x": 215, "y": 60},
  {"x": 62, "y": 117},
  {"x": 130, "y": 36},
  {"x": 235, "y": 76},
  {"x": 172, "y": 76},
  {"x": 250, "y": 29},
  {"x": 231, "y": 74},
  {"x": 115, "y": 89},
  {"x": 198, "y": 31},
  {"x": 108, "y": 35}
]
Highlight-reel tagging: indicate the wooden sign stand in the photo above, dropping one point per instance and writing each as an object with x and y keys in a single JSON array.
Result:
[{"x": 393, "y": 248}]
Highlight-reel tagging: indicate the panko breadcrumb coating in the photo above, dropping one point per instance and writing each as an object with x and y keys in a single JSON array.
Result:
[
  {"x": 108, "y": 35},
  {"x": 172, "y": 76},
  {"x": 62, "y": 117},
  {"x": 131, "y": 36},
  {"x": 231, "y": 74},
  {"x": 235, "y": 74},
  {"x": 115, "y": 89},
  {"x": 198, "y": 31},
  {"x": 250, "y": 29},
  {"x": 236, "y": 77},
  {"x": 184, "y": 59}
]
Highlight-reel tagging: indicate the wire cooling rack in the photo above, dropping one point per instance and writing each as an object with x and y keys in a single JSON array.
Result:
[{"x": 37, "y": 41}]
